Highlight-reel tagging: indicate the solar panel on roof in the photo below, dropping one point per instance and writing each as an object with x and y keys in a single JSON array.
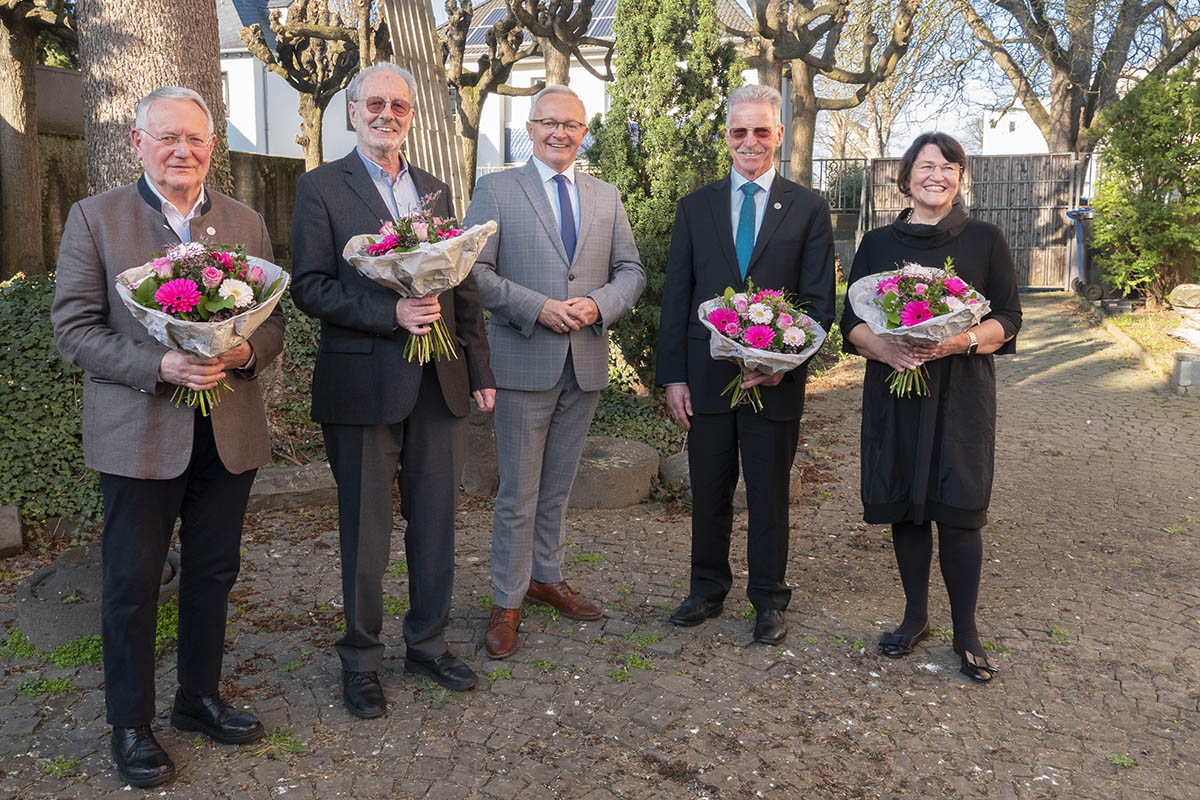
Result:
[
  {"x": 494, "y": 16},
  {"x": 477, "y": 37}
]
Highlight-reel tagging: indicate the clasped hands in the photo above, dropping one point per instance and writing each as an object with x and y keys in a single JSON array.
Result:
[
  {"x": 200, "y": 374},
  {"x": 571, "y": 314}
]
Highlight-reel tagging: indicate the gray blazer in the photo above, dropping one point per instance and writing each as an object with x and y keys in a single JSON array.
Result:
[
  {"x": 130, "y": 426},
  {"x": 525, "y": 263}
]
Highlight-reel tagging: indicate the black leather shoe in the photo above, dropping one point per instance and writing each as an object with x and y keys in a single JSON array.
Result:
[
  {"x": 215, "y": 718},
  {"x": 363, "y": 694},
  {"x": 445, "y": 669},
  {"x": 769, "y": 626},
  {"x": 694, "y": 610},
  {"x": 140, "y": 759}
]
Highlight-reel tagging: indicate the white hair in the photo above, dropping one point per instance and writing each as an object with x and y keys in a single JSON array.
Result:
[
  {"x": 755, "y": 93},
  {"x": 170, "y": 93},
  {"x": 383, "y": 66},
  {"x": 555, "y": 89}
]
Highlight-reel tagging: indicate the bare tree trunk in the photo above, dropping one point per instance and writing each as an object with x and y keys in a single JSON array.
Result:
[
  {"x": 804, "y": 122},
  {"x": 470, "y": 109},
  {"x": 558, "y": 63},
  {"x": 128, "y": 48},
  {"x": 312, "y": 116},
  {"x": 20, "y": 164}
]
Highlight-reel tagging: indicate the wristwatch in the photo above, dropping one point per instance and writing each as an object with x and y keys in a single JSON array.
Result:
[{"x": 974, "y": 345}]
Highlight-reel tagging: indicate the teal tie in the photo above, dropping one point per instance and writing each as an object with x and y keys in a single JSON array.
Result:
[{"x": 745, "y": 228}]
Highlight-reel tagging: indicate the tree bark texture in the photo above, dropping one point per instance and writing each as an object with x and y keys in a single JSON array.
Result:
[
  {"x": 312, "y": 117},
  {"x": 20, "y": 171},
  {"x": 128, "y": 48},
  {"x": 804, "y": 122},
  {"x": 558, "y": 62}
]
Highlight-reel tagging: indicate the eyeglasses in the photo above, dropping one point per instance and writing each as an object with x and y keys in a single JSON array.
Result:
[
  {"x": 929, "y": 169},
  {"x": 375, "y": 105},
  {"x": 172, "y": 141},
  {"x": 549, "y": 125},
  {"x": 759, "y": 133}
]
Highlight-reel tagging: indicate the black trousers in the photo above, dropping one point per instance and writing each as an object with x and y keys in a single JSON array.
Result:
[
  {"x": 767, "y": 450},
  {"x": 429, "y": 447},
  {"x": 139, "y": 517}
]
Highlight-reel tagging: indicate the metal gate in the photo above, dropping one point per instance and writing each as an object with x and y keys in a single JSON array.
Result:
[{"x": 1026, "y": 196}]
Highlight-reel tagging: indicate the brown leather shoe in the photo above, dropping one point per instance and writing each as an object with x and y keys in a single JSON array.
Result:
[
  {"x": 564, "y": 599},
  {"x": 500, "y": 640}
]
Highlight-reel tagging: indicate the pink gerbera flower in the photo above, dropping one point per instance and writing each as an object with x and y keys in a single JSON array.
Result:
[
  {"x": 383, "y": 246},
  {"x": 178, "y": 296},
  {"x": 955, "y": 286},
  {"x": 720, "y": 317},
  {"x": 914, "y": 312},
  {"x": 758, "y": 336},
  {"x": 765, "y": 293}
]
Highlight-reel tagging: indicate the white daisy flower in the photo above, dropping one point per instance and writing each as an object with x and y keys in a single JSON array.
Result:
[
  {"x": 185, "y": 249},
  {"x": 954, "y": 304},
  {"x": 760, "y": 313},
  {"x": 241, "y": 293},
  {"x": 793, "y": 336}
]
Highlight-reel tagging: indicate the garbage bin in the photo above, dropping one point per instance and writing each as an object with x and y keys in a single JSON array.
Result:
[{"x": 1087, "y": 280}]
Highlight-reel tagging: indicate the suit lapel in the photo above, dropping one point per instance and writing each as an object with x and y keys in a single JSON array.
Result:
[
  {"x": 362, "y": 185},
  {"x": 778, "y": 202},
  {"x": 721, "y": 210},
  {"x": 531, "y": 182},
  {"x": 587, "y": 207}
]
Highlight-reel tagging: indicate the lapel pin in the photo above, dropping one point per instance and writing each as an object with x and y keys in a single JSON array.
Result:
[
  {"x": 211, "y": 231},
  {"x": 778, "y": 206}
]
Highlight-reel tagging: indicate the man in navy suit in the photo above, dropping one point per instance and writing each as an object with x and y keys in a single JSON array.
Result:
[
  {"x": 377, "y": 409},
  {"x": 753, "y": 225}
]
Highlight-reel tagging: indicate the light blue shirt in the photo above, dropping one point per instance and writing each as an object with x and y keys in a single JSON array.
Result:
[
  {"x": 400, "y": 195},
  {"x": 178, "y": 221},
  {"x": 547, "y": 175},
  {"x": 736, "y": 198}
]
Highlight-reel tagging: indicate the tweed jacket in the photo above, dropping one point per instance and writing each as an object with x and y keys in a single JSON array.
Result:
[
  {"x": 361, "y": 376},
  {"x": 525, "y": 263},
  {"x": 130, "y": 426}
]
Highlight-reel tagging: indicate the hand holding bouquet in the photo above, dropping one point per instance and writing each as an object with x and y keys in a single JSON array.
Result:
[
  {"x": 916, "y": 305},
  {"x": 758, "y": 330},
  {"x": 421, "y": 255},
  {"x": 202, "y": 299}
]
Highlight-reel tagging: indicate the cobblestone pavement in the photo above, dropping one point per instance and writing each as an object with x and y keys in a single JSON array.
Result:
[{"x": 1090, "y": 603}]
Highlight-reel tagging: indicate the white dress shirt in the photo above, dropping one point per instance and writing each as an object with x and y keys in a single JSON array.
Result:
[
  {"x": 399, "y": 195},
  {"x": 547, "y": 174},
  {"x": 736, "y": 198},
  {"x": 175, "y": 218}
]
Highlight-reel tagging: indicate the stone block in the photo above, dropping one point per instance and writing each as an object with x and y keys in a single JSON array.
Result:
[
  {"x": 290, "y": 487},
  {"x": 10, "y": 530},
  {"x": 1185, "y": 377},
  {"x": 613, "y": 473},
  {"x": 480, "y": 471},
  {"x": 674, "y": 472}
]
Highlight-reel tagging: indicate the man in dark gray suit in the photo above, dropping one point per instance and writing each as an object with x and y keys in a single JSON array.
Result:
[
  {"x": 377, "y": 409},
  {"x": 561, "y": 271},
  {"x": 159, "y": 462}
]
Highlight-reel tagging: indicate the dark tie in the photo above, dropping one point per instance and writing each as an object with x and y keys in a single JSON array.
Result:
[
  {"x": 567, "y": 227},
  {"x": 745, "y": 229}
]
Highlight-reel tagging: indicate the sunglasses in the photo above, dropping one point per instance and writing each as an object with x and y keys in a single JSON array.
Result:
[
  {"x": 759, "y": 133},
  {"x": 399, "y": 107}
]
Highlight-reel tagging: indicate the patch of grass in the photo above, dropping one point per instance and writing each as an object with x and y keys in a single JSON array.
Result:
[
  {"x": 58, "y": 766},
  {"x": 545, "y": 613},
  {"x": 1121, "y": 760},
  {"x": 486, "y": 602},
  {"x": 810, "y": 640},
  {"x": 1064, "y": 637},
  {"x": 544, "y": 666},
  {"x": 1150, "y": 330},
  {"x": 944, "y": 634},
  {"x": 748, "y": 612},
  {"x": 292, "y": 665},
  {"x": 638, "y": 661},
  {"x": 1174, "y": 529},
  {"x": 340, "y": 625},
  {"x": 394, "y": 606},
  {"x": 619, "y": 675},
  {"x": 645, "y": 639},
  {"x": 625, "y": 589},
  {"x": 277, "y": 742},
  {"x": 887, "y": 536},
  {"x": 995, "y": 647},
  {"x": 40, "y": 687},
  {"x": 18, "y": 646},
  {"x": 398, "y": 568},
  {"x": 499, "y": 674},
  {"x": 674, "y": 586},
  {"x": 587, "y": 558},
  {"x": 858, "y": 644},
  {"x": 82, "y": 651},
  {"x": 437, "y": 697}
]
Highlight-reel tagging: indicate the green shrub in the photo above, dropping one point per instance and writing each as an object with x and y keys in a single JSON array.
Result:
[{"x": 41, "y": 445}]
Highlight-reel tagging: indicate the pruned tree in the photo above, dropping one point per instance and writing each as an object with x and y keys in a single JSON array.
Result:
[
  {"x": 560, "y": 29},
  {"x": 128, "y": 48},
  {"x": 1068, "y": 60},
  {"x": 21, "y": 22},
  {"x": 317, "y": 55},
  {"x": 505, "y": 47},
  {"x": 812, "y": 44}
]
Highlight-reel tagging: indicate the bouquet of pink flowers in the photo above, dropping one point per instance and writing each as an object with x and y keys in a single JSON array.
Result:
[
  {"x": 421, "y": 255},
  {"x": 202, "y": 299},
  {"x": 758, "y": 329},
  {"x": 916, "y": 305}
]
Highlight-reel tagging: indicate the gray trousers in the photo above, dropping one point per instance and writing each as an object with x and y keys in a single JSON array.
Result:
[
  {"x": 539, "y": 438},
  {"x": 428, "y": 446}
]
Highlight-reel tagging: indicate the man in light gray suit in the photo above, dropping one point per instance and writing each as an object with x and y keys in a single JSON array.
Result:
[{"x": 561, "y": 270}]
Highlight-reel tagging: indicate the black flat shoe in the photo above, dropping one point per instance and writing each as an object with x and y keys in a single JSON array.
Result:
[
  {"x": 446, "y": 670},
  {"x": 215, "y": 718},
  {"x": 898, "y": 645},
  {"x": 694, "y": 610},
  {"x": 769, "y": 626},
  {"x": 977, "y": 668},
  {"x": 363, "y": 694},
  {"x": 139, "y": 757}
]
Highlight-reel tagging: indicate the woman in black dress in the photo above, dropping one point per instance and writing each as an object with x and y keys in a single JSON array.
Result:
[{"x": 929, "y": 458}]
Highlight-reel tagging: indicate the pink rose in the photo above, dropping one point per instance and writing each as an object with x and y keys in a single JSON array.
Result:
[
  {"x": 212, "y": 277},
  {"x": 784, "y": 321},
  {"x": 421, "y": 231},
  {"x": 256, "y": 274},
  {"x": 162, "y": 267},
  {"x": 732, "y": 330},
  {"x": 887, "y": 284},
  {"x": 741, "y": 305},
  {"x": 920, "y": 288}
]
